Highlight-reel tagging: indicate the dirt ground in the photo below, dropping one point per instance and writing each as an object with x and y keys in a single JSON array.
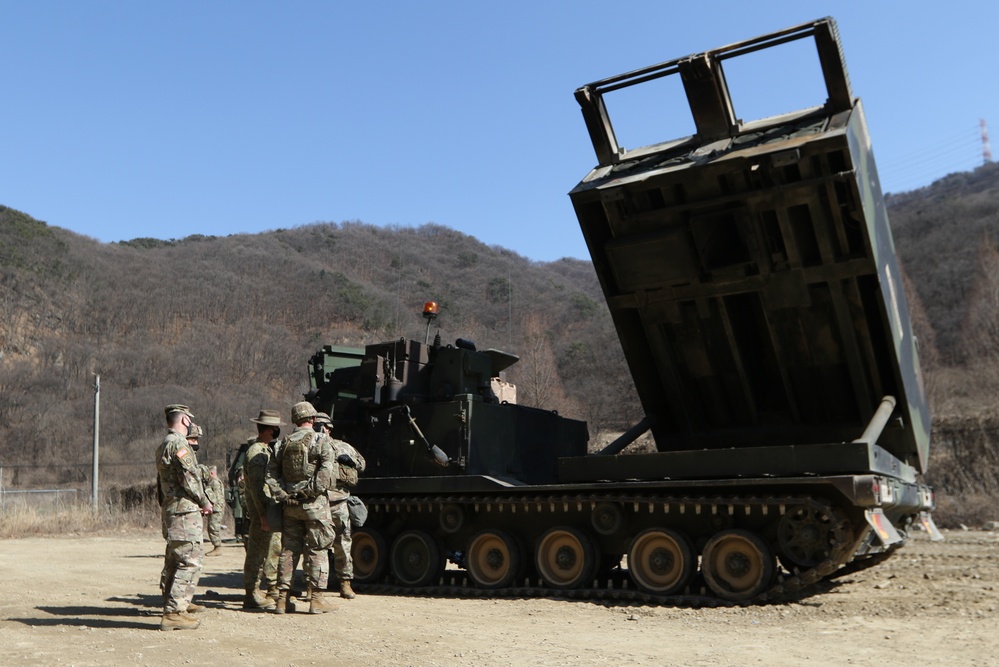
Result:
[{"x": 94, "y": 601}]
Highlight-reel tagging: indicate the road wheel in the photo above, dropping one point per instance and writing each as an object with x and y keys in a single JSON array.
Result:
[
  {"x": 737, "y": 565},
  {"x": 369, "y": 553},
  {"x": 416, "y": 558},
  {"x": 452, "y": 518},
  {"x": 493, "y": 559},
  {"x": 607, "y": 518},
  {"x": 565, "y": 558},
  {"x": 661, "y": 561}
]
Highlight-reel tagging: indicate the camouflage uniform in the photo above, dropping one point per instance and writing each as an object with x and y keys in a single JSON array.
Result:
[
  {"x": 263, "y": 547},
  {"x": 216, "y": 494},
  {"x": 236, "y": 493},
  {"x": 342, "y": 562},
  {"x": 182, "y": 496},
  {"x": 302, "y": 483}
]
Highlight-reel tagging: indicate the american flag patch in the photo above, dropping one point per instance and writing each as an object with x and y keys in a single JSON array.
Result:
[{"x": 182, "y": 452}]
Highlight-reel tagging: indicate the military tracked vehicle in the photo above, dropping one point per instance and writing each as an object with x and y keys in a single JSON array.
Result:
[{"x": 751, "y": 275}]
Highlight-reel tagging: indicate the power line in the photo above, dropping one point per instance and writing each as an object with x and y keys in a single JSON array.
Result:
[
  {"x": 969, "y": 136},
  {"x": 966, "y": 149},
  {"x": 959, "y": 152}
]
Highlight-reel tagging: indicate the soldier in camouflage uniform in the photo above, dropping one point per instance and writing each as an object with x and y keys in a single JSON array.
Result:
[
  {"x": 194, "y": 433},
  {"x": 216, "y": 494},
  {"x": 349, "y": 463},
  {"x": 236, "y": 493},
  {"x": 300, "y": 474},
  {"x": 183, "y": 501},
  {"x": 263, "y": 514},
  {"x": 214, "y": 490}
]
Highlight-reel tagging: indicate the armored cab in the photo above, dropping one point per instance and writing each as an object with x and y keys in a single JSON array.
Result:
[
  {"x": 421, "y": 411},
  {"x": 750, "y": 273}
]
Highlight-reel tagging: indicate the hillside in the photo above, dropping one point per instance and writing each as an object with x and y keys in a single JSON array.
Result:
[
  {"x": 945, "y": 235},
  {"x": 228, "y": 324}
]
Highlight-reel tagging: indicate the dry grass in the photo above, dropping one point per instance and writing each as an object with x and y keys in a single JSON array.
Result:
[
  {"x": 28, "y": 521},
  {"x": 969, "y": 510}
]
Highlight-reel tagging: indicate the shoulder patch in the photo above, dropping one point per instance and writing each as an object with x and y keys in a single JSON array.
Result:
[{"x": 182, "y": 452}]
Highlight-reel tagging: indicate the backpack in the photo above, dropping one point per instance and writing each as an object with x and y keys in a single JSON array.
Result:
[
  {"x": 357, "y": 510},
  {"x": 346, "y": 475},
  {"x": 295, "y": 464}
]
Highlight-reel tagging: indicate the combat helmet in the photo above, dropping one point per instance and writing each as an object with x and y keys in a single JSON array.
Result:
[
  {"x": 303, "y": 411},
  {"x": 177, "y": 407}
]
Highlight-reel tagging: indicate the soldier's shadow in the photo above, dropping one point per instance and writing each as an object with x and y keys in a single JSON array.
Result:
[
  {"x": 94, "y": 617},
  {"x": 215, "y": 591},
  {"x": 153, "y": 604},
  {"x": 232, "y": 580},
  {"x": 139, "y": 600}
]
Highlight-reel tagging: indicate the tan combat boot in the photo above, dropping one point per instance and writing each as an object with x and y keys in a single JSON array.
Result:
[
  {"x": 346, "y": 591},
  {"x": 254, "y": 600},
  {"x": 271, "y": 599},
  {"x": 194, "y": 608},
  {"x": 268, "y": 601},
  {"x": 281, "y": 606},
  {"x": 178, "y": 621},
  {"x": 317, "y": 605},
  {"x": 216, "y": 551}
]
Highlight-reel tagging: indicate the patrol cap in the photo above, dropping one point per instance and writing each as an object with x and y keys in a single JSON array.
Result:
[
  {"x": 302, "y": 411},
  {"x": 269, "y": 418},
  {"x": 177, "y": 407},
  {"x": 322, "y": 418}
]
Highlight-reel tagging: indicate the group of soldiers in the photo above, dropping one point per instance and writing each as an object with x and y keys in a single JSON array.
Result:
[{"x": 296, "y": 490}]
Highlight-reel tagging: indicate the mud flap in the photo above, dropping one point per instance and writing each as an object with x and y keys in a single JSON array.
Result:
[
  {"x": 882, "y": 527},
  {"x": 931, "y": 528}
]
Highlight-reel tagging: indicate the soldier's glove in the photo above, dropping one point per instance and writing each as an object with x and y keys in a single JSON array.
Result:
[
  {"x": 344, "y": 459},
  {"x": 292, "y": 501},
  {"x": 280, "y": 496}
]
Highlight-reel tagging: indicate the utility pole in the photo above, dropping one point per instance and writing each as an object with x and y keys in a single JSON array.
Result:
[{"x": 97, "y": 439}]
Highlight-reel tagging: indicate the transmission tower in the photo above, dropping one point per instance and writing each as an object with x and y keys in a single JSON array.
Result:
[{"x": 986, "y": 149}]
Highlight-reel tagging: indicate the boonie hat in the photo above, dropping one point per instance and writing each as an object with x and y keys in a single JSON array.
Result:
[
  {"x": 177, "y": 407},
  {"x": 269, "y": 418}
]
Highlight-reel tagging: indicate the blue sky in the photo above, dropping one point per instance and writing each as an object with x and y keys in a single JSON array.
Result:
[{"x": 130, "y": 119}]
